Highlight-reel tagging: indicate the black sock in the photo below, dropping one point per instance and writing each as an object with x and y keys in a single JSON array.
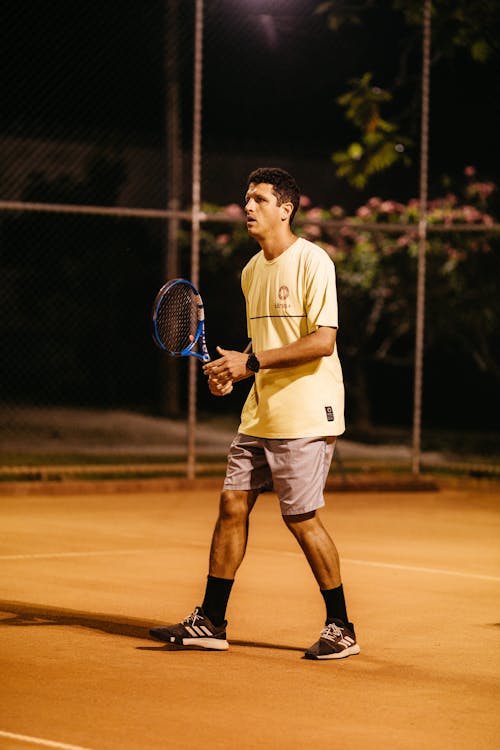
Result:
[
  {"x": 335, "y": 605},
  {"x": 216, "y": 598}
]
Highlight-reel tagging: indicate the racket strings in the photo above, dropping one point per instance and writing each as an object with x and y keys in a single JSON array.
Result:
[{"x": 177, "y": 318}]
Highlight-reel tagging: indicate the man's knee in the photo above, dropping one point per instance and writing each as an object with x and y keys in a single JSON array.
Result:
[
  {"x": 302, "y": 523},
  {"x": 234, "y": 505}
]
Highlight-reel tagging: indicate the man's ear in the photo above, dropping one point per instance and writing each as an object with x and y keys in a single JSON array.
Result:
[{"x": 286, "y": 210}]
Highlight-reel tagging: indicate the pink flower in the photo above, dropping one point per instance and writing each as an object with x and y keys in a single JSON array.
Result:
[
  {"x": 346, "y": 231},
  {"x": 234, "y": 210},
  {"x": 312, "y": 230},
  {"x": 314, "y": 214},
  {"x": 470, "y": 214},
  {"x": 304, "y": 202},
  {"x": 374, "y": 202},
  {"x": 337, "y": 212},
  {"x": 404, "y": 240},
  {"x": 481, "y": 189},
  {"x": 363, "y": 212},
  {"x": 469, "y": 171},
  {"x": 223, "y": 239},
  {"x": 387, "y": 207}
]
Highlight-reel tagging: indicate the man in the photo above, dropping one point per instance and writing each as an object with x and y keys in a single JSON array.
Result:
[{"x": 290, "y": 420}]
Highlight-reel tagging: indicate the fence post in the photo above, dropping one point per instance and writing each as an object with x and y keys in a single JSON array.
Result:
[
  {"x": 195, "y": 224},
  {"x": 422, "y": 241}
]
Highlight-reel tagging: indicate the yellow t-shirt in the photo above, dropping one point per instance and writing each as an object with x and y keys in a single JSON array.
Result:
[{"x": 287, "y": 298}]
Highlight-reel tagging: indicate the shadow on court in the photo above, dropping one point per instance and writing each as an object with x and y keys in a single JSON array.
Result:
[
  {"x": 29, "y": 615},
  {"x": 86, "y": 577}
]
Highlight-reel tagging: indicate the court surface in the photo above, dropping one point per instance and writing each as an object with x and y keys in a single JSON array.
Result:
[{"x": 85, "y": 576}]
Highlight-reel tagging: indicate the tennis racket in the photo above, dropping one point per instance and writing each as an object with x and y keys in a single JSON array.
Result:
[{"x": 179, "y": 320}]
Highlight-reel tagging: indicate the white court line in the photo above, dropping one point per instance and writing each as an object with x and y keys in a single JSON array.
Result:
[
  {"x": 367, "y": 563},
  {"x": 417, "y": 569},
  {"x": 48, "y": 555},
  {"x": 39, "y": 741},
  {"x": 409, "y": 568}
]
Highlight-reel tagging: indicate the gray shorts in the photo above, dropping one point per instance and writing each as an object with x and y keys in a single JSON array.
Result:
[{"x": 296, "y": 469}]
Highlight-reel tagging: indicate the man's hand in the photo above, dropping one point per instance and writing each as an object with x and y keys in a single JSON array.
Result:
[
  {"x": 219, "y": 389},
  {"x": 222, "y": 372}
]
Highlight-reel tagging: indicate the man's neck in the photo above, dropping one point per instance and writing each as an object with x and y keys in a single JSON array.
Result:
[{"x": 275, "y": 246}]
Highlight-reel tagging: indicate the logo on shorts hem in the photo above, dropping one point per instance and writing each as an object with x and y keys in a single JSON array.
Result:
[{"x": 329, "y": 413}]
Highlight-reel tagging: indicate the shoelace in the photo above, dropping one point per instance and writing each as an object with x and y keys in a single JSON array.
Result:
[
  {"x": 331, "y": 631},
  {"x": 191, "y": 619}
]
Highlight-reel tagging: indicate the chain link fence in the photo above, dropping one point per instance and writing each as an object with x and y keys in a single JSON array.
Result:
[{"x": 95, "y": 192}]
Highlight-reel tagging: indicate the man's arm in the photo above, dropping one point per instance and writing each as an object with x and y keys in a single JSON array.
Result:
[
  {"x": 231, "y": 366},
  {"x": 320, "y": 343}
]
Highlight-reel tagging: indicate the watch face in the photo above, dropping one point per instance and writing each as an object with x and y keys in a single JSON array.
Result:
[{"x": 253, "y": 363}]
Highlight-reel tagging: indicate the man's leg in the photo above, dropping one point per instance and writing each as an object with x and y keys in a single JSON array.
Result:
[
  {"x": 205, "y": 627},
  {"x": 337, "y": 639},
  {"x": 318, "y": 547},
  {"x": 229, "y": 542}
]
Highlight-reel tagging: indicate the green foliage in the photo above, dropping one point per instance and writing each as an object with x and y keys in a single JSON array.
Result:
[
  {"x": 380, "y": 146},
  {"x": 457, "y": 26},
  {"x": 362, "y": 104},
  {"x": 375, "y": 153}
]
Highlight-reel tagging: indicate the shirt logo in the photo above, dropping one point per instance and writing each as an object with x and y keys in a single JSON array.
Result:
[
  {"x": 283, "y": 293},
  {"x": 329, "y": 413}
]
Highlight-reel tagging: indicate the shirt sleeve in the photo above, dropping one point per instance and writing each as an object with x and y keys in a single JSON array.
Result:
[{"x": 321, "y": 291}]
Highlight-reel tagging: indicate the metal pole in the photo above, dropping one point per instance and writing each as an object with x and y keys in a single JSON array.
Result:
[
  {"x": 195, "y": 224},
  {"x": 170, "y": 396},
  {"x": 173, "y": 136},
  {"x": 422, "y": 240}
]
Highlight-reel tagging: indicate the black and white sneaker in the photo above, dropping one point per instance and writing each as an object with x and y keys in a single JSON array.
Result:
[
  {"x": 336, "y": 641},
  {"x": 195, "y": 630}
]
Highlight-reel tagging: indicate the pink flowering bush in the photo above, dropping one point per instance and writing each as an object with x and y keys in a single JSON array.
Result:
[
  {"x": 376, "y": 270},
  {"x": 375, "y": 254}
]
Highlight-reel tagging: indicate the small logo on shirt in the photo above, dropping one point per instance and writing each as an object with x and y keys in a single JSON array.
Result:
[
  {"x": 283, "y": 292},
  {"x": 329, "y": 413}
]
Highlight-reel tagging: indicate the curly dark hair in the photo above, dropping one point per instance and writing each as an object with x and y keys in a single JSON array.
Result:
[{"x": 284, "y": 186}]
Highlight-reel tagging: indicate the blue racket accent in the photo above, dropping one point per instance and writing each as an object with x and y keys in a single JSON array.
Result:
[{"x": 179, "y": 320}]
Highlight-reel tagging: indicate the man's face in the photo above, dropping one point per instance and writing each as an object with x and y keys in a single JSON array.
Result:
[{"x": 264, "y": 216}]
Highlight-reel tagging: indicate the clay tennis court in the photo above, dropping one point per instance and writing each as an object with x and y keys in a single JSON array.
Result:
[{"x": 84, "y": 576}]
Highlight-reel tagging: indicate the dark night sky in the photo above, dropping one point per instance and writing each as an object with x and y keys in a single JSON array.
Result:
[
  {"x": 92, "y": 71},
  {"x": 272, "y": 72}
]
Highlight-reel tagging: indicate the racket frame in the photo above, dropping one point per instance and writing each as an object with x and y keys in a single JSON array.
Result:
[{"x": 199, "y": 336}]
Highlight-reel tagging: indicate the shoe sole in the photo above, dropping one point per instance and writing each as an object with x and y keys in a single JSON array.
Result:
[
  {"x": 214, "y": 644},
  {"x": 351, "y": 651}
]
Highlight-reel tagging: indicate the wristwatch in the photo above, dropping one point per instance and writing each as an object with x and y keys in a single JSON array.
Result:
[{"x": 253, "y": 363}]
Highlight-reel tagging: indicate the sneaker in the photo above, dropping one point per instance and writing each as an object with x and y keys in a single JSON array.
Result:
[
  {"x": 335, "y": 642},
  {"x": 195, "y": 630}
]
